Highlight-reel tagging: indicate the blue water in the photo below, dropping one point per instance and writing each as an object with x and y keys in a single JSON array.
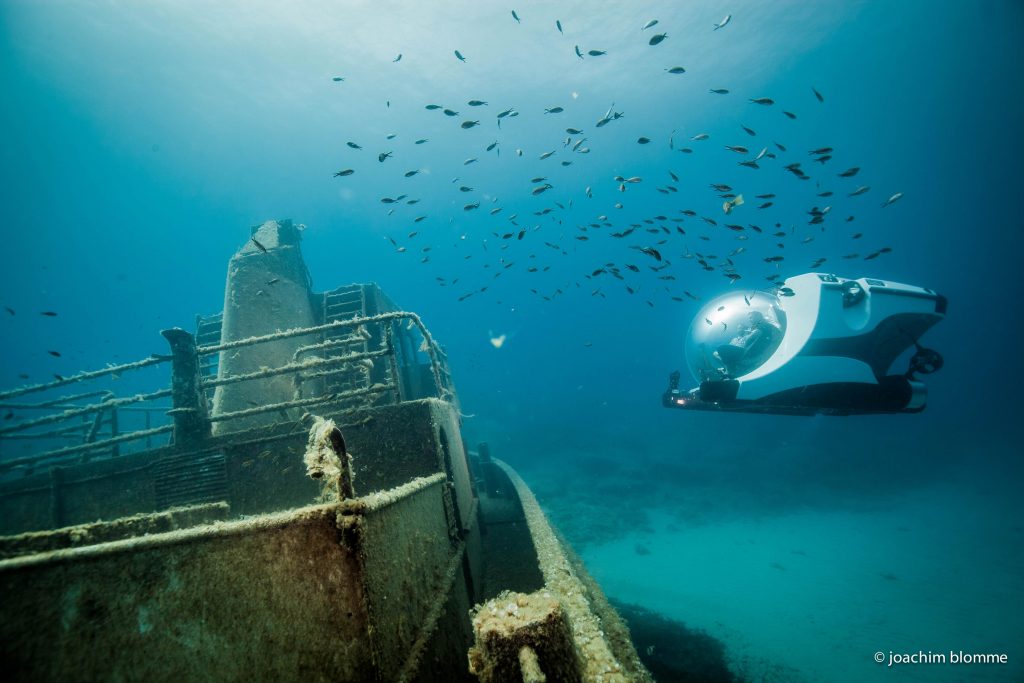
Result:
[{"x": 142, "y": 140}]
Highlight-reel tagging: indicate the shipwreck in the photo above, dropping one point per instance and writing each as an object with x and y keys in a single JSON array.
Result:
[{"x": 284, "y": 495}]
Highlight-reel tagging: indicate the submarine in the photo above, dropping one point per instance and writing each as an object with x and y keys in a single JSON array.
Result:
[
  {"x": 817, "y": 344},
  {"x": 285, "y": 494}
]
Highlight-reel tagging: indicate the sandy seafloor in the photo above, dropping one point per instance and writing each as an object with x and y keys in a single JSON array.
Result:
[{"x": 812, "y": 595}]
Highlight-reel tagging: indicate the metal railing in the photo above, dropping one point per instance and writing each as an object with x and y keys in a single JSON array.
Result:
[{"x": 95, "y": 418}]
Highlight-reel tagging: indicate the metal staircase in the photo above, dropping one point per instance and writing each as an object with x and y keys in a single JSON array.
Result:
[
  {"x": 208, "y": 330},
  {"x": 346, "y": 303}
]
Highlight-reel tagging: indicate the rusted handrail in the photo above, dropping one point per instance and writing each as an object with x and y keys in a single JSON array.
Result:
[
  {"x": 84, "y": 376},
  {"x": 85, "y": 410},
  {"x": 81, "y": 448}
]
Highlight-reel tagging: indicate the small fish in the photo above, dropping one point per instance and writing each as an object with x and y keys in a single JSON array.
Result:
[
  {"x": 458, "y": 55},
  {"x": 652, "y": 252},
  {"x": 789, "y": 114},
  {"x": 49, "y": 314},
  {"x": 344, "y": 172},
  {"x": 554, "y": 110},
  {"x": 578, "y": 53},
  {"x": 699, "y": 137},
  {"x": 817, "y": 94},
  {"x": 55, "y": 354},
  {"x": 469, "y": 124},
  {"x": 723, "y": 22},
  {"x": 892, "y": 199},
  {"x": 718, "y": 91},
  {"x": 820, "y": 151},
  {"x": 749, "y": 131},
  {"x": 410, "y": 174},
  {"x": 657, "y": 38},
  {"x": 729, "y": 205},
  {"x": 650, "y": 24},
  {"x": 558, "y": 25},
  {"x": 737, "y": 148},
  {"x": 514, "y": 16},
  {"x": 353, "y": 145},
  {"x": 596, "y": 53},
  {"x": 766, "y": 101},
  {"x": 338, "y": 79},
  {"x": 850, "y": 172},
  {"x": 545, "y": 155},
  {"x": 398, "y": 58},
  {"x": 676, "y": 70},
  {"x": 9, "y": 310},
  {"x": 476, "y": 103},
  {"x": 384, "y": 155},
  {"x": 642, "y": 140},
  {"x": 492, "y": 145},
  {"x": 860, "y": 190},
  {"x": 432, "y": 107},
  {"x": 421, "y": 141},
  {"x": 254, "y": 241},
  {"x": 471, "y": 160},
  {"x": 470, "y": 207}
]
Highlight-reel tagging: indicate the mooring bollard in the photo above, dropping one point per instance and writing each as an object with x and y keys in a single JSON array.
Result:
[{"x": 191, "y": 417}]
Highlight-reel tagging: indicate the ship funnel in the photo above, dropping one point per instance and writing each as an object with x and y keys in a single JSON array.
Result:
[{"x": 268, "y": 290}]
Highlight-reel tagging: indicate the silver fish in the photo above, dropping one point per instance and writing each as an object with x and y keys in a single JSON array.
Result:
[{"x": 892, "y": 199}]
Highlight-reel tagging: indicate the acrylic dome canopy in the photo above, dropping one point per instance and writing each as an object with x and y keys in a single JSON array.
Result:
[{"x": 733, "y": 335}]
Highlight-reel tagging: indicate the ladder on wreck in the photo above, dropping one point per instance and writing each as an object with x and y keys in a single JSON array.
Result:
[
  {"x": 346, "y": 303},
  {"x": 208, "y": 331}
]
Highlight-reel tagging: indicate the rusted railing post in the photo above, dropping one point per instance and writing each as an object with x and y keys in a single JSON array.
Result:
[
  {"x": 389, "y": 342},
  {"x": 191, "y": 417}
]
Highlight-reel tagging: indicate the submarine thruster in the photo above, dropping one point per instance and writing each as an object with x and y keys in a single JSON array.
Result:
[{"x": 818, "y": 343}]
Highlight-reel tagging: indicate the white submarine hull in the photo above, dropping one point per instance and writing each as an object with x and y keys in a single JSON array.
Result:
[{"x": 836, "y": 340}]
